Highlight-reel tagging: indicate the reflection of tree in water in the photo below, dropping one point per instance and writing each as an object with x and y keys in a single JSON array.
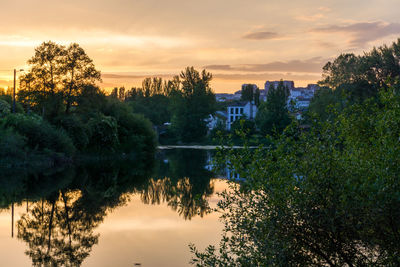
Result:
[
  {"x": 59, "y": 225},
  {"x": 182, "y": 181},
  {"x": 180, "y": 196},
  {"x": 66, "y": 205},
  {"x": 57, "y": 232}
]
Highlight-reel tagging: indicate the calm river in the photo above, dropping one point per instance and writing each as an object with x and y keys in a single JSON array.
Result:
[{"x": 131, "y": 213}]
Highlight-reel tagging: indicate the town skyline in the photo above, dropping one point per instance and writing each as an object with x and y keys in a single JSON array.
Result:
[{"x": 255, "y": 41}]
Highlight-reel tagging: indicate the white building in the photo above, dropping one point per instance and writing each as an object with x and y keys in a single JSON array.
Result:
[
  {"x": 238, "y": 110},
  {"x": 302, "y": 102},
  {"x": 301, "y": 96}
]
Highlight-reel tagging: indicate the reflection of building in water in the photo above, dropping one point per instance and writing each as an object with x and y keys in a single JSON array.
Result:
[
  {"x": 225, "y": 172},
  {"x": 209, "y": 162},
  {"x": 232, "y": 175}
]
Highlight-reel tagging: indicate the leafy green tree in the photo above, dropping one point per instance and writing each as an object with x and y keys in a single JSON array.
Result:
[
  {"x": 273, "y": 114},
  {"x": 191, "y": 105},
  {"x": 153, "y": 99},
  {"x": 243, "y": 126},
  {"x": 324, "y": 99},
  {"x": 257, "y": 97},
  {"x": 155, "y": 108},
  {"x": 90, "y": 100},
  {"x": 250, "y": 92},
  {"x": 103, "y": 132},
  {"x": 135, "y": 132},
  {"x": 345, "y": 69},
  {"x": 42, "y": 85},
  {"x": 361, "y": 77},
  {"x": 77, "y": 71},
  {"x": 56, "y": 77},
  {"x": 328, "y": 198}
]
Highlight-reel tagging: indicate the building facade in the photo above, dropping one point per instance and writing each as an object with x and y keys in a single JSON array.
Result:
[{"x": 239, "y": 110}]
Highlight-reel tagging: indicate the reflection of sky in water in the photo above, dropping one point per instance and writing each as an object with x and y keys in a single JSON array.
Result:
[{"x": 153, "y": 235}]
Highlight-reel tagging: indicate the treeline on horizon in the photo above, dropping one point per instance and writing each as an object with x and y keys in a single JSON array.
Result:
[
  {"x": 178, "y": 107},
  {"x": 347, "y": 80},
  {"x": 60, "y": 112}
]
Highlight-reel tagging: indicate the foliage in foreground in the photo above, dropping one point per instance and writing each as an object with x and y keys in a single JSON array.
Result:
[{"x": 327, "y": 197}]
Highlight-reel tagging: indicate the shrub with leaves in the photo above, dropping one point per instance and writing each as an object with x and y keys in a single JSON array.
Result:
[
  {"x": 104, "y": 133},
  {"x": 326, "y": 197},
  {"x": 40, "y": 134},
  {"x": 5, "y": 108}
]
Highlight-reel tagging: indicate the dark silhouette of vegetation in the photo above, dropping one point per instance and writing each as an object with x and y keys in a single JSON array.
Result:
[
  {"x": 56, "y": 77},
  {"x": 273, "y": 115},
  {"x": 66, "y": 114},
  {"x": 250, "y": 92},
  {"x": 178, "y": 107},
  {"x": 353, "y": 79},
  {"x": 192, "y": 103}
]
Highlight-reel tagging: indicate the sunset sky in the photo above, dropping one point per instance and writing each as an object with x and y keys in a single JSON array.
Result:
[{"x": 238, "y": 41}]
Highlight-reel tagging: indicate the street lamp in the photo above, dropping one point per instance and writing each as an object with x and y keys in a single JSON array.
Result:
[{"x": 15, "y": 78}]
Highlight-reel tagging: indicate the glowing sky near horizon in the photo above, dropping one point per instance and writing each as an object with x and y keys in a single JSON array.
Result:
[{"x": 238, "y": 41}]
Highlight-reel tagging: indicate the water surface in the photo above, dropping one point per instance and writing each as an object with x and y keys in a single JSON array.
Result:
[{"x": 141, "y": 211}]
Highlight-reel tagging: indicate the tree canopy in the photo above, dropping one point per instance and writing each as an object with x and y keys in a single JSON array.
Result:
[
  {"x": 362, "y": 76},
  {"x": 192, "y": 103},
  {"x": 324, "y": 197},
  {"x": 57, "y": 75},
  {"x": 273, "y": 115}
]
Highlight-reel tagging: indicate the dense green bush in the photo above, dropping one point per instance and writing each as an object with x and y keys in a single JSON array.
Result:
[
  {"x": 328, "y": 197},
  {"x": 103, "y": 133},
  {"x": 8, "y": 99},
  {"x": 243, "y": 125},
  {"x": 135, "y": 132},
  {"x": 5, "y": 108},
  {"x": 39, "y": 134},
  {"x": 77, "y": 130},
  {"x": 155, "y": 108},
  {"x": 11, "y": 144}
]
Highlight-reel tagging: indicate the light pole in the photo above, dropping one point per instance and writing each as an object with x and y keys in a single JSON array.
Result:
[{"x": 15, "y": 78}]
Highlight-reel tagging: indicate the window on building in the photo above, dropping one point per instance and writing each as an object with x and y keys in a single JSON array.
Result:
[
  {"x": 232, "y": 110},
  {"x": 241, "y": 110},
  {"x": 232, "y": 118},
  {"x": 237, "y": 111}
]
